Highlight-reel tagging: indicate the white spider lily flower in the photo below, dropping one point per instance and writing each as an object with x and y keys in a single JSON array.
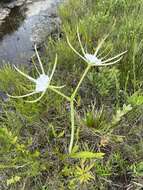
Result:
[
  {"x": 42, "y": 83},
  {"x": 95, "y": 59},
  {"x": 92, "y": 59}
]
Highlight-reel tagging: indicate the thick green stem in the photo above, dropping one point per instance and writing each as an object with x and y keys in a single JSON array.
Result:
[
  {"x": 71, "y": 100},
  {"x": 72, "y": 126},
  {"x": 78, "y": 85},
  {"x": 134, "y": 72},
  {"x": 72, "y": 108},
  {"x": 60, "y": 93}
]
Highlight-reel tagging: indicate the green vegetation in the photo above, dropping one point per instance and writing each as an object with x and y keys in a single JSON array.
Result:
[{"x": 34, "y": 138}]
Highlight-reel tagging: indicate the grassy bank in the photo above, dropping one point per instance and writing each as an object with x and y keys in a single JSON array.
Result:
[{"x": 34, "y": 138}]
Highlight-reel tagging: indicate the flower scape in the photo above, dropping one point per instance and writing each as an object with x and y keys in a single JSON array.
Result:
[{"x": 43, "y": 82}]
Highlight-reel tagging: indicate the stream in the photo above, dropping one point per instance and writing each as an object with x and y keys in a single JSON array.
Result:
[{"x": 24, "y": 26}]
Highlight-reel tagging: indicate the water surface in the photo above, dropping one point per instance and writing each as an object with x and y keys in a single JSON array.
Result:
[{"x": 25, "y": 26}]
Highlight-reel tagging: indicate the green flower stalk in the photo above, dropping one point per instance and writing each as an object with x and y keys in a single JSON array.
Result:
[
  {"x": 43, "y": 82},
  {"x": 91, "y": 60}
]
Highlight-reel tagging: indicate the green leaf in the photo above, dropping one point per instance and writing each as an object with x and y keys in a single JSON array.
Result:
[
  {"x": 13, "y": 180},
  {"x": 86, "y": 154},
  {"x": 136, "y": 98},
  {"x": 120, "y": 113}
]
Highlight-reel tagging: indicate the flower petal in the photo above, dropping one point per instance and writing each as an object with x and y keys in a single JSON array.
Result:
[
  {"x": 35, "y": 66},
  {"x": 54, "y": 67},
  {"x": 25, "y": 75},
  {"x": 112, "y": 58},
  {"x": 40, "y": 62},
  {"x": 57, "y": 87},
  {"x": 75, "y": 50},
  {"x": 111, "y": 63},
  {"x": 26, "y": 95},
  {"x": 80, "y": 41},
  {"x": 100, "y": 44},
  {"x": 36, "y": 100}
]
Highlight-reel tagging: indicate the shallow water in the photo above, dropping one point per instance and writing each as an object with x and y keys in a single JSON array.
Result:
[{"x": 25, "y": 26}]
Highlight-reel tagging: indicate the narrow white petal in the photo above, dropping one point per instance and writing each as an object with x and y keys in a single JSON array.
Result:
[
  {"x": 100, "y": 54},
  {"x": 40, "y": 62},
  {"x": 105, "y": 55},
  {"x": 80, "y": 41},
  {"x": 75, "y": 50},
  {"x": 54, "y": 67},
  {"x": 111, "y": 63},
  {"x": 26, "y": 95},
  {"x": 112, "y": 58},
  {"x": 36, "y": 100},
  {"x": 25, "y": 75},
  {"x": 35, "y": 66},
  {"x": 100, "y": 44},
  {"x": 57, "y": 87}
]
